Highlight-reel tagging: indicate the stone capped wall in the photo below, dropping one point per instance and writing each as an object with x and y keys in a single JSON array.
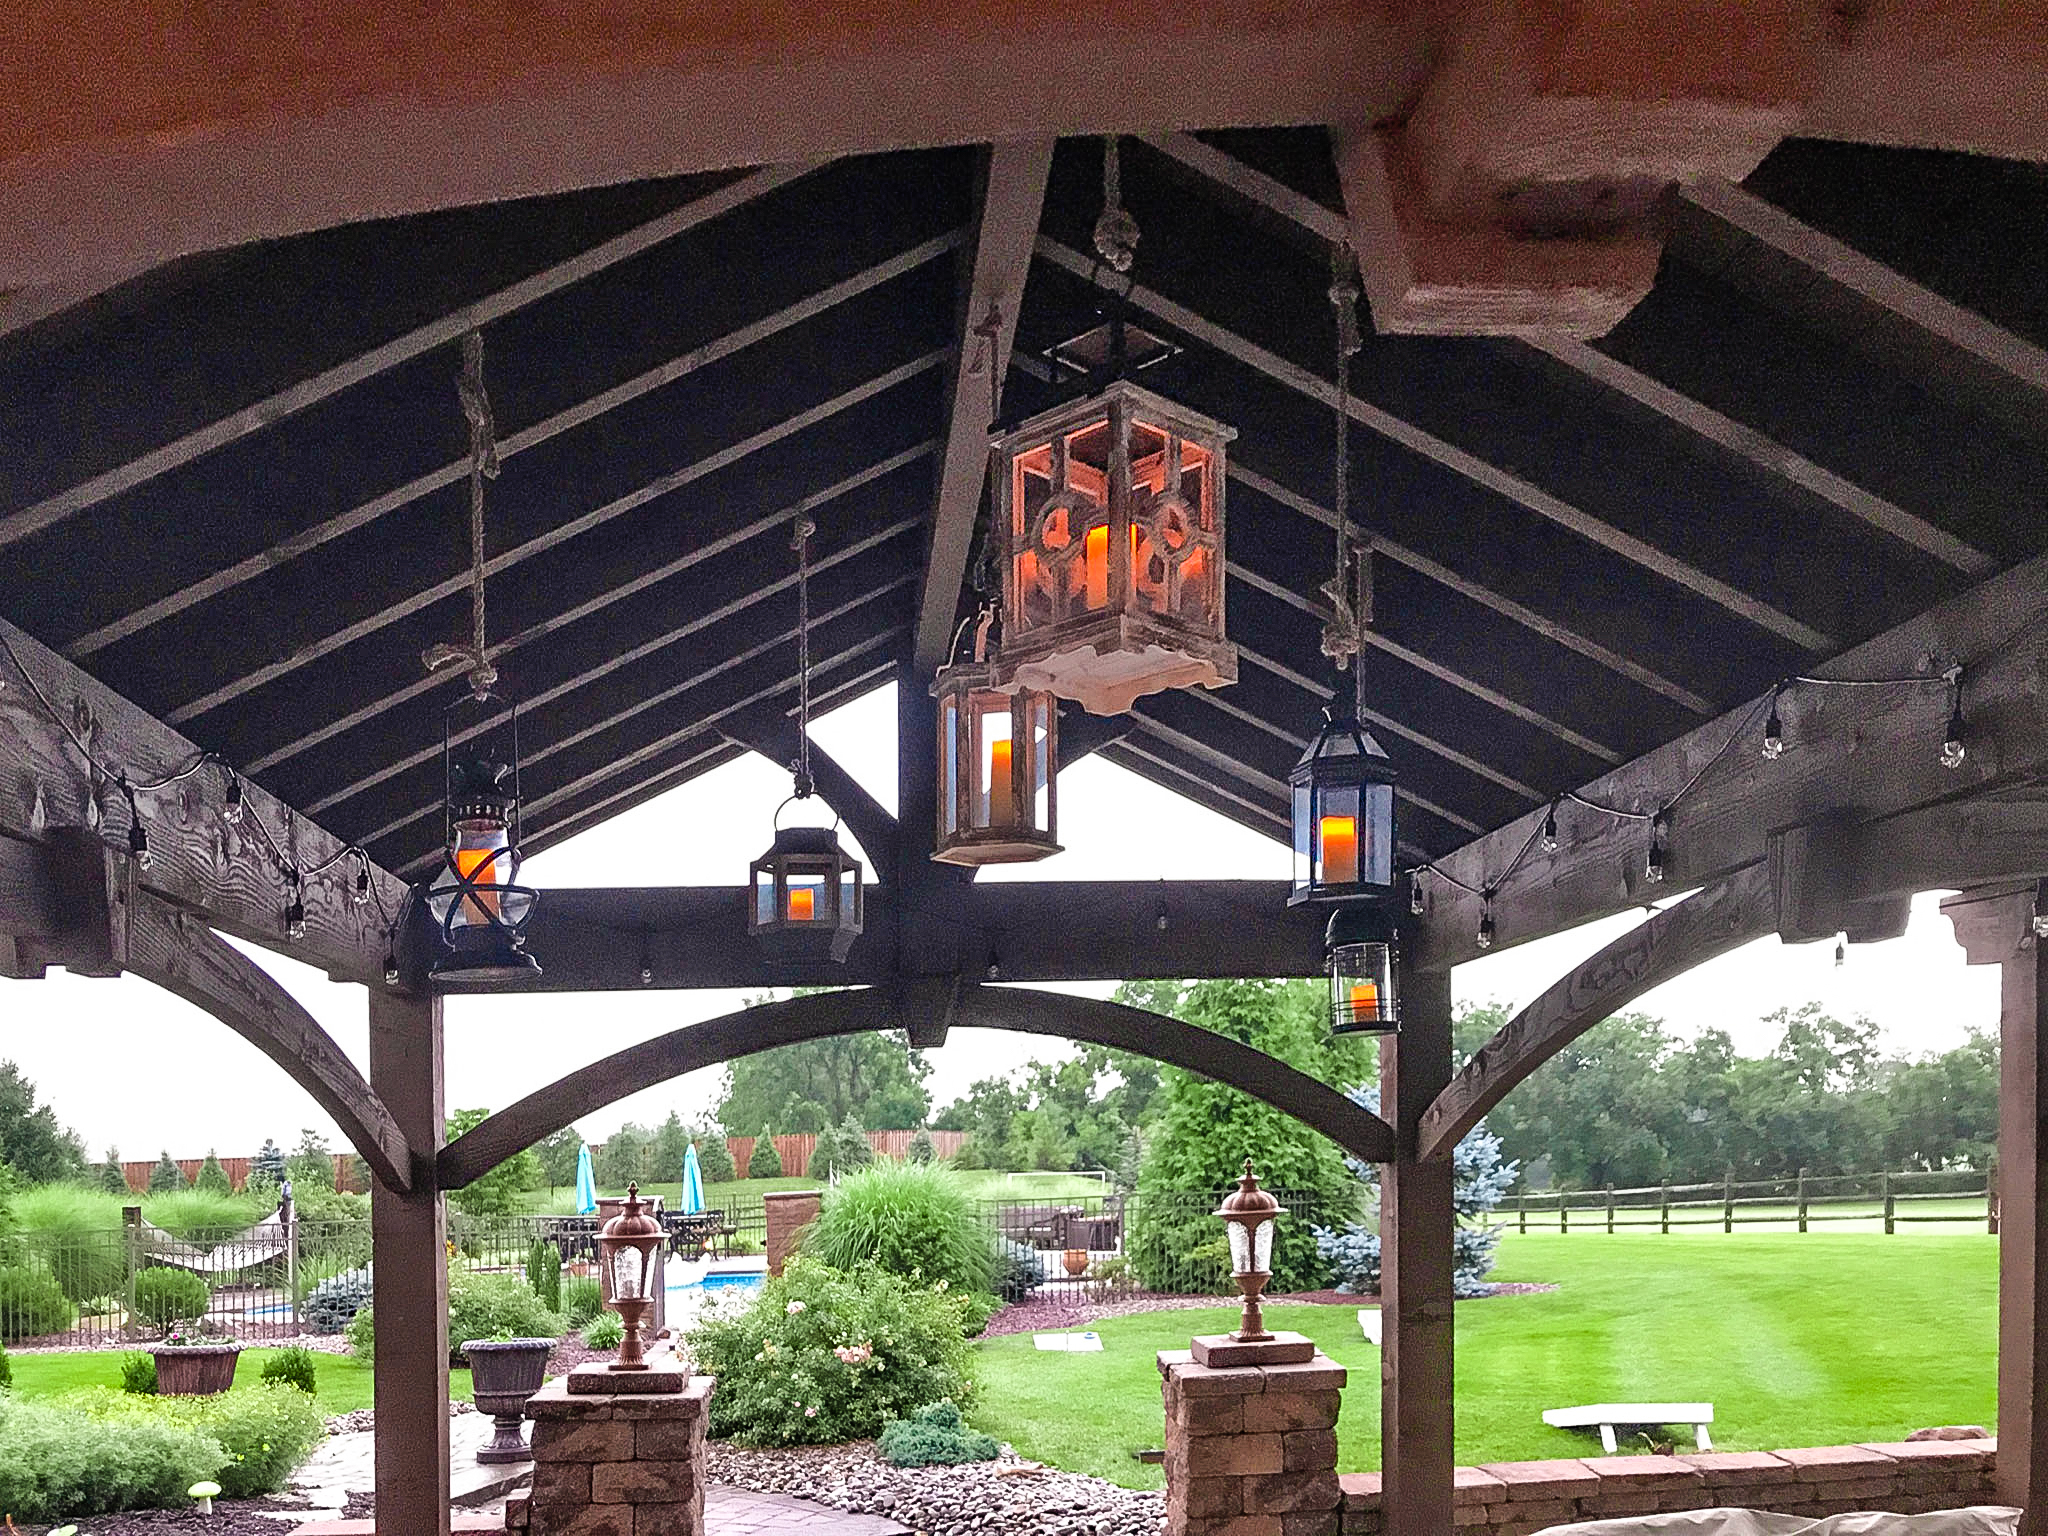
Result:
[
  {"x": 1519, "y": 1498},
  {"x": 1251, "y": 1450},
  {"x": 624, "y": 1465}
]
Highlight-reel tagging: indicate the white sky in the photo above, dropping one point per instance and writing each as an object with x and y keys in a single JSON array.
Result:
[{"x": 129, "y": 1065}]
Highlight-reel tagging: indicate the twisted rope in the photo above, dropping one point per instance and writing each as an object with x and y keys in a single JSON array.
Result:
[
  {"x": 801, "y": 543},
  {"x": 1341, "y": 635}
]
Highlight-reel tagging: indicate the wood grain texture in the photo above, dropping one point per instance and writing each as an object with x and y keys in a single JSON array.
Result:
[
  {"x": 199, "y": 862},
  {"x": 828, "y": 1014},
  {"x": 178, "y": 952},
  {"x": 1706, "y": 924}
]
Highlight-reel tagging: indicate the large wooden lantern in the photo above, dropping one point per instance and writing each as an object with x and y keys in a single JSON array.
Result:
[
  {"x": 1110, "y": 511},
  {"x": 806, "y": 898},
  {"x": 1343, "y": 801},
  {"x": 998, "y": 757},
  {"x": 480, "y": 909}
]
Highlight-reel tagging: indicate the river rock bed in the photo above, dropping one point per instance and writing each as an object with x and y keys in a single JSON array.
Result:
[{"x": 1009, "y": 1495}]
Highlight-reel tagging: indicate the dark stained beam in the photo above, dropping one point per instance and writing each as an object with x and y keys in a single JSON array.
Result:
[
  {"x": 329, "y": 382},
  {"x": 225, "y": 874},
  {"x": 768, "y": 730},
  {"x": 1011, "y": 202},
  {"x": 367, "y": 512},
  {"x": 1242, "y": 803},
  {"x": 1468, "y": 465},
  {"x": 828, "y": 1014},
  {"x": 1856, "y": 754}
]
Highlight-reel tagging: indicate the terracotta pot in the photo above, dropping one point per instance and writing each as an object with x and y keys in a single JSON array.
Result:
[
  {"x": 504, "y": 1374},
  {"x": 195, "y": 1370},
  {"x": 1076, "y": 1261}
]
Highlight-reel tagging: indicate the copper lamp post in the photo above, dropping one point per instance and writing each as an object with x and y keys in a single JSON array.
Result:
[
  {"x": 629, "y": 1247},
  {"x": 1248, "y": 1214}
]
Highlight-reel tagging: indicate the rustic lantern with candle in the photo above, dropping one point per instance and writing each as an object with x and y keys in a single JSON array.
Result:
[
  {"x": 1110, "y": 513},
  {"x": 998, "y": 756},
  {"x": 806, "y": 895},
  {"x": 1248, "y": 1215},
  {"x": 1360, "y": 951},
  {"x": 629, "y": 1248},
  {"x": 1343, "y": 794},
  {"x": 480, "y": 909}
]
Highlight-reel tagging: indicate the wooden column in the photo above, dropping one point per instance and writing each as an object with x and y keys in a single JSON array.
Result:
[
  {"x": 1997, "y": 930},
  {"x": 411, "y": 1296},
  {"x": 1416, "y": 1224}
]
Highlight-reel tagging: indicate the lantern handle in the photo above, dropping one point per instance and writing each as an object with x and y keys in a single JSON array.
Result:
[{"x": 777, "y": 824}]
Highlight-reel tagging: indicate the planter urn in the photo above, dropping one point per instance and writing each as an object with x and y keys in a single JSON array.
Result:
[
  {"x": 504, "y": 1374},
  {"x": 194, "y": 1370},
  {"x": 1076, "y": 1261}
]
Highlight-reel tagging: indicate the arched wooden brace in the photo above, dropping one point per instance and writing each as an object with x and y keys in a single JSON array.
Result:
[
  {"x": 507, "y": 1133},
  {"x": 181, "y": 954},
  {"x": 1708, "y": 923}
]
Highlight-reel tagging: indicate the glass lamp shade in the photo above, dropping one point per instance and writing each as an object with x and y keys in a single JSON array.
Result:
[
  {"x": 629, "y": 1248},
  {"x": 1362, "y": 996},
  {"x": 1110, "y": 509},
  {"x": 1248, "y": 1214},
  {"x": 998, "y": 760},
  {"x": 1343, "y": 801},
  {"x": 479, "y": 908},
  {"x": 806, "y": 897}
]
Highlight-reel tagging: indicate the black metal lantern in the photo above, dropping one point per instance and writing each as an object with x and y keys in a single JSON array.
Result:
[
  {"x": 998, "y": 757},
  {"x": 1362, "y": 956},
  {"x": 480, "y": 909},
  {"x": 806, "y": 895},
  {"x": 1343, "y": 794}
]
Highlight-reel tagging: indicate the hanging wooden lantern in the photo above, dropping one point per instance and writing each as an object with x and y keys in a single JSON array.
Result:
[
  {"x": 807, "y": 900},
  {"x": 998, "y": 757},
  {"x": 480, "y": 909},
  {"x": 1343, "y": 794},
  {"x": 1110, "y": 510}
]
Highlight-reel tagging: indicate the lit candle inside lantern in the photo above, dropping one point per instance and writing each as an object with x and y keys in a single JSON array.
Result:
[
  {"x": 1340, "y": 850},
  {"x": 1095, "y": 557},
  {"x": 1001, "y": 793},
  {"x": 1365, "y": 1001},
  {"x": 478, "y": 907},
  {"x": 802, "y": 904}
]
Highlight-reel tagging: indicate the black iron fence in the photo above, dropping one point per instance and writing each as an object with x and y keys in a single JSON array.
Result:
[{"x": 1956, "y": 1199}]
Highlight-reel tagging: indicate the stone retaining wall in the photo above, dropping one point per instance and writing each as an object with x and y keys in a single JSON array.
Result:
[
  {"x": 615, "y": 1465},
  {"x": 1517, "y": 1498}
]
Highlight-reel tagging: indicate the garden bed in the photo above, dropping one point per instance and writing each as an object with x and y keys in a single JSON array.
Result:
[{"x": 230, "y": 1517}]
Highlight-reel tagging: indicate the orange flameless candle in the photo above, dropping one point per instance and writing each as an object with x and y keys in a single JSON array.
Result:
[
  {"x": 1001, "y": 797},
  {"x": 802, "y": 904},
  {"x": 1340, "y": 850},
  {"x": 1095, "y": 557},
  {"x": 479, "y": 907},
  {"x": 1365, "y": 1000}
]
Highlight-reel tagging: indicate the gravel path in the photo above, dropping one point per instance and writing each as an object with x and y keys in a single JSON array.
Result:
[{"x": 1009, "y": 1496}]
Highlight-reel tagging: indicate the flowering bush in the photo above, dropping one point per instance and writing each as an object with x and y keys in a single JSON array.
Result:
[{"x": 824, "y": 1355}]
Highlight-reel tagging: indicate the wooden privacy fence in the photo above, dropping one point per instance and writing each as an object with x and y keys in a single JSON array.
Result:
[
  {"x": 237, "y": 1170},
  {"x": 795, "y": 1151},
  {"x": 1797, "y": 1203}
]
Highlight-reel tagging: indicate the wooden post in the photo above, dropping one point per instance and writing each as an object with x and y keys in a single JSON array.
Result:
[
  {"x": 1564, "y": 1211},
  {"x": 1610, "y": 1210},
  {"x": 1522, "y": 1214},
  {"x": 1991, "y": 1197},
  {"x": 1416, "y": 1226},
  {"x": 1802, "y": 1199},
  {"x": 1728, "y": 1201},
  {"x": 1884, "y": 1189},
  {"x": 410, "y": 1233},
  {"x": 1664, "y": 1211}
]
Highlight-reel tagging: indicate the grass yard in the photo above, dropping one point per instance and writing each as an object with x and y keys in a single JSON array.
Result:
[
  {"x": 343, "y": 1380},
  {"x": 1794, "y": 1340},
  {"x": 1017, "y": 1189}
]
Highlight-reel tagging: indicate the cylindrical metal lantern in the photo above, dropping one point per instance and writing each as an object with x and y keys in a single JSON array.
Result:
[
  {"x": 1361, "y": 960},
  {"x": 998, "y": 760}
]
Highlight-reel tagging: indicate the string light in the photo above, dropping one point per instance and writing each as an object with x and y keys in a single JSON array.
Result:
[
  {"x": 1653, "y": 866},
  {"x": 1415, "y": 893},
  {"x": 1952, "y": 749},
  {"x": 1550, "y": 828},
  {"x": 1841, "y": 951},
  {"x": 1484, "y": 937},
  {"x": 295, "y": 909},
  {"x": 1774, "y": 729},
  {"x": 2041, "y": 911},
  {"x": 361, "y": 897}
]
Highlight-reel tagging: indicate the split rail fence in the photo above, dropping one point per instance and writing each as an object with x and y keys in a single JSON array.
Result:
[{"x": 1890, "y": 1202}]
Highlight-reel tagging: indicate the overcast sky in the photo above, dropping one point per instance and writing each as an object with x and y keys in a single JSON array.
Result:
[{"x": 129, "y": 1065}]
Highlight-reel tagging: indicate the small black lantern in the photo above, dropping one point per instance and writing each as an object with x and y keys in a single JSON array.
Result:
[
  {"x": 480, "y": 909},
  {"x": 1361, "y": 954},
  {"x": 1343, "y": 794},
  {"x": 806, "y": 899}
]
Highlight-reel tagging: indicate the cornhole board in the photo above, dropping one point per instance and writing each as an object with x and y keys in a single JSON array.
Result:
[{"x": 1604, "y": 1416}]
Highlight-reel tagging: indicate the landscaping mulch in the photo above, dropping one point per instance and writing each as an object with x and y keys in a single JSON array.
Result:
[
  {"x": 1008, "y": 1496},
  {"x": 1060, "y": 1312},
  {"x": 230, "y": 1517}
]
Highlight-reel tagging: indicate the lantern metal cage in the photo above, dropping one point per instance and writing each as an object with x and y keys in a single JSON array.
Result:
[
  {"x": 1362, "y": 957},
  {"x": 479, "y": 908},
  {"x": 1110, "y": 514},
  {"x": 998, "y": 799},
  {"x": 806, "y": 900},
  {"x": 1343, "y": 802}
]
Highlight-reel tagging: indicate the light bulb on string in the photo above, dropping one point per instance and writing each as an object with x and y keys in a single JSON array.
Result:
[
  {"x": 1653, "y": 866},
  {"x": 390, "y": 969},
  {"x": 1550, "y": 829},
  {"x": 138, "y": 845},
  {"x": 231, "y": 799},
  {"x": 1484, "y": 937},
  {"x": 295, "y": 909},
  {"x": 1415, "y": 893},
  {"x": 1953, "y": 750},
  {"x": 1774, "y": 731},
  {"x": 362, "y": 890},
  {"x": 1841, "y": 951}
]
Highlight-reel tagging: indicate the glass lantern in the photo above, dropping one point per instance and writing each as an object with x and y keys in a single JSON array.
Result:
[
  {"x": 479, "y": 908},
  {"x": 1343, "y": 801},
  {"x": 1249, "y": 1214},
  {"x": 805, "y": 898},
  {"x": 629, "y": 1250},
  {"x": 1359, "y": 946},
  {"x": 998, "y": 758},
  {"x": 1110, "y": 512}
]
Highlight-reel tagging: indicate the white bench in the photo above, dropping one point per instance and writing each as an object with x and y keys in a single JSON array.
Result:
[{"x": 1606, "y": 1415}]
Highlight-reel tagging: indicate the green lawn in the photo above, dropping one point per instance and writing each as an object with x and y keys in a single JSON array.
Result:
[
  {"x": 343, "y": 1380},
  {"x": 1019, "y": 1189},
  {"x": 1795, "y": 1340}
]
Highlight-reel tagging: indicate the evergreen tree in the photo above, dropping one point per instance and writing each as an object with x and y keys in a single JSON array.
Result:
[
  {"x": 665, "y": 1152},
  {"x": 622, "y": 1159},
  {"x": 841, "y": 1149},
  {"x": 31, "y": 1140},
  {"x": 311, "y": 1165},
  {"x": 212, "y": 1177},
  {"x": 557, "y": 1154},
  {"x": 714, "y": 1157},
  {"x": 165, "y": 1178},
  {"x": 112, "y": 1176},
  {"x": 267, "y": 1166},
  {"x": 497, "y": 1192},
  {"x": 921, "y": 1148},
  {"x": 766, "y": 1162}
]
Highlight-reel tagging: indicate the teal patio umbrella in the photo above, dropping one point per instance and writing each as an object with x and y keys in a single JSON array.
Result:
[
  {"x": 693, "y": 1183},
  {"x": 586, "y": 1184}
]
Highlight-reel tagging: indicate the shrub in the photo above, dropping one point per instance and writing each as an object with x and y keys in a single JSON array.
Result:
[
  {"x": 31, "y": 1304},
  {"x": 165, "y": 1176},
  {"x": 6, "y": 1372},
  {"x": 921, "y": 1148},
  {"x": 582, "y": 1299},
  {"x": 138, "y": 1374},
  {"x": 164, "y": 1296},
  {"x": 823, "y": 1356},
  {"x": 606, "y": 1331},
  {"x": 714, "y": 1159},
  {"x": 334, "y": 1302},
  {"x": 976, "y": 1308},
  {"x": 766, "y": 1163},
  {"x": 294, "y": 1366},
  {"x": 76, "y": 1233},
  {"x": 479, "y": 1307},
  {"x": 60, "y": 1460},
  {"x": 268, "y": 1431},
  {"x": 201, "y": 1215},
  {"x": 212, "y": 1177},
  {"x": 544, "y": 1274},
  {"x": 842, "y": 1149},
  {"x": 911, "y": 1219},
  {"x": 311, "y": 1165},
  {"x": 1018, "y": 1271},
  {"x": 935, "y": 1437}
]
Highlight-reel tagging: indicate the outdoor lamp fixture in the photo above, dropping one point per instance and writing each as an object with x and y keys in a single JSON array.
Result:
[
  {"x": 1343, "y": 801},
  {"x": 1108, "y": 511},
  {"x": 1359, "y": 945},
  {"x": 1248, "y": 1214},
  {"x": 480, "y": 909},
  {"x": 629, "y": 1247},
  {"x": 998, "y": 758}
]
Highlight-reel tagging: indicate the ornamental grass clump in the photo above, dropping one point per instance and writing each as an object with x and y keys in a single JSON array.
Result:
[
  {"x": 202, "y": 1215},
  {"x": 824, "y": 1356},
  {"x": 911, "y": 1219}
]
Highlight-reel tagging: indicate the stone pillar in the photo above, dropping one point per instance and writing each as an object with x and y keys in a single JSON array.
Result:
[
  {"x": 615, "y": 1464},
  {"x": 1251, "y": 1438},
  {"x": 789, "y": 1212}
]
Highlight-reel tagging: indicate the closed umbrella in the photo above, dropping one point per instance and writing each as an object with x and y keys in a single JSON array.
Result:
[
  {"x": 586, "y": 1185},
  {"x": 693, "y": 1183}
]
